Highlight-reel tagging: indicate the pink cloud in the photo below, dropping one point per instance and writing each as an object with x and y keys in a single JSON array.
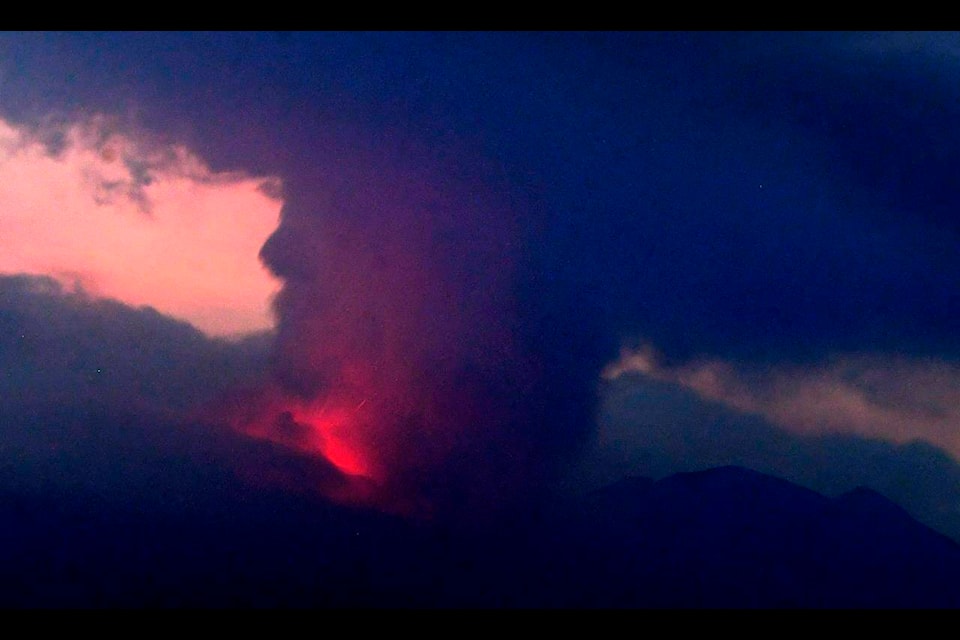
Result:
[{"x": 123, "y": 216}]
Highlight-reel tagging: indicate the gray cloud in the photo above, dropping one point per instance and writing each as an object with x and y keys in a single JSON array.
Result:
[
  {"x": 887, "y": 397},
  {"x": 109, "y": 404},
  {"x": 59, "y": 346}
]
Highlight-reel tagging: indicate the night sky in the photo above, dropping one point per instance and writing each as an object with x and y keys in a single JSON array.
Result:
[{"x": 453, "y": 274}]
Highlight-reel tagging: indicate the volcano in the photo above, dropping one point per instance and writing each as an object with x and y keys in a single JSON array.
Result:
[{"x": 194, "y": 535}]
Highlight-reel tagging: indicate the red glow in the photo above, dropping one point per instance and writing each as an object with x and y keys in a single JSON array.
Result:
[
  {"x": 345, "y": 458},
  {"x": 333, "y": 429},
  {"x": 330, "y": 436}
]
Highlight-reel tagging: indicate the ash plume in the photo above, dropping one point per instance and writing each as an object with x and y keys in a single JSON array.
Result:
[{"x": 412, "y": 351}]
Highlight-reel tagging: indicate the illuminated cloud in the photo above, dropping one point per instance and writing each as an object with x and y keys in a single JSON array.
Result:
[
  {"x": 891, "y": 398},
  {"x": 118, "y": 215}
]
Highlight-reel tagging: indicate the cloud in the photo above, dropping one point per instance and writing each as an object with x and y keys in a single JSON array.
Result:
[
  {"x": 894, "y": 398},
  {"x": 113, "y": 401},
  {"x": 118, "y": 214},
  {"x": 61, "y": 347}
]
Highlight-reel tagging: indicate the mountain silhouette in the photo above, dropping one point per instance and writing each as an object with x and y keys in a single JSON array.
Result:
[
  {"x": 732, "y": 537},
  {"x": 727, "y": 537}
]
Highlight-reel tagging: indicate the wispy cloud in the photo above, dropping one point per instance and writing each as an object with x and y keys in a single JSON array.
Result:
[{"x": 883, "y": 396}]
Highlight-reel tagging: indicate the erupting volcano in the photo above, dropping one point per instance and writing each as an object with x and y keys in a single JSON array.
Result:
[
  {"x": 331, "y": 429},
  {"x": 325, "y": 430},
  {"x": 399, "y": 355}
]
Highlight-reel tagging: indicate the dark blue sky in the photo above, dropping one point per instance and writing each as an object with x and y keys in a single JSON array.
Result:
[{"x": 736, "y": 193}]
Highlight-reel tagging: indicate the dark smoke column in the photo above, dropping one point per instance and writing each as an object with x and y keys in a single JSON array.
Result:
[{"x": 405, "y": 353}]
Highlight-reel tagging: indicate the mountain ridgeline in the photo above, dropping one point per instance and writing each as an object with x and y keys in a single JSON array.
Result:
[{"x": 723, "y": 538}]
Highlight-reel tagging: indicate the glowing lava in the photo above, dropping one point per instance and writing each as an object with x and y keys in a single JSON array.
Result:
[
  {"x": 329, "y": 434},
  {"x": 332, "y": 430}
]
